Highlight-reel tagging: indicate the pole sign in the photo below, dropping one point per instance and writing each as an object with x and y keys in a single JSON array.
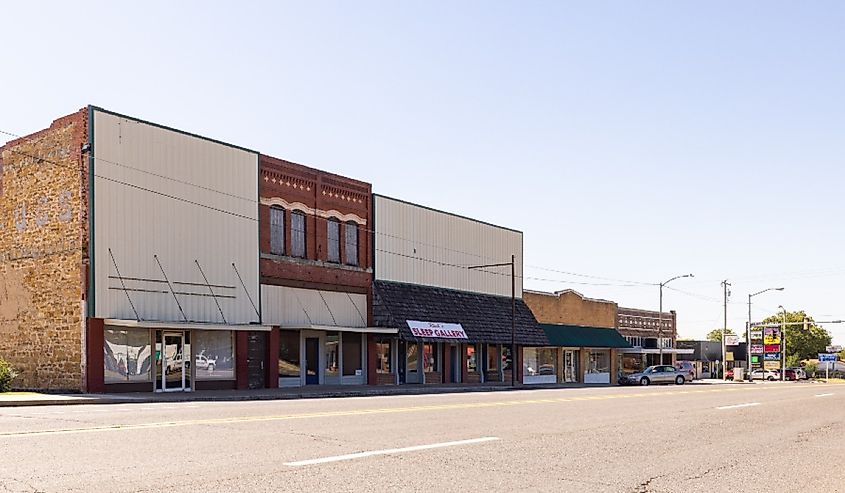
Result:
[
  {"x": 771, "y": 335},
  {"x": 731, "y": 340},
  {"x": 827, "y": 357},
  {"x": 757, "y": 349},
  {"x": 834, "y": 349},
  {"x": 756, "y": 334}
]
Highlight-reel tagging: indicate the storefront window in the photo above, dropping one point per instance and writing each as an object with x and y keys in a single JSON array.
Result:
[
  {"x": 492, "y": 358},
  {"x": 332, "y": 353},
  {"x": 538, "y": 361},
  {"x": 214, "y": 355},
  {"x": 472, "y": 359},
  {"x": 599, "y": 362},
  {"x": 507, "y": 359},
  {"x": 289, "y": 353},
  {"x": 127, "y": 356},
  {"x": 430, "y": 359},
  {"x": 383, "y": 362},
  {"x": 352, "y": 354}
]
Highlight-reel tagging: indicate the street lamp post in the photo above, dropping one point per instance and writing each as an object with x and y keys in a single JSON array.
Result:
[
  {"x": 660, "y": 315},
  {"x": 512, "y": 265},
  {"x": 783, "y": 346},
  {"x": 748, "y": 327}
]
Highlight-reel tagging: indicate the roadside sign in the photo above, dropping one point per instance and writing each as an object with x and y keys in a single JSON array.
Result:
[
  {"x": 827, "y": 357},
  {"x": 756, "y": 334},
  {"x": 771, "y": 356},
  {"x": 729, "y": 356},
  {"x": 756, "y": 349},
  {"x": 731, "y": 340},
  {"x": 771, "y": 365},
  {"x": 834, "y": 349},
  {"x": 771, "y": 335},
  {"x": 772, "y": 348}
]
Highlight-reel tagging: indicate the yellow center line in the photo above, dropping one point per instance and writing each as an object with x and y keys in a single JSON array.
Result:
[{"x": 360, "y": 412}]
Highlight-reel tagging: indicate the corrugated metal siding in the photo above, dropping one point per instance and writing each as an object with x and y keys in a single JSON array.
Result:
[
  {"x": 417, "y": 245},
  {"x": 282, "y": 305},
  {"x": 138, "y": 218}
]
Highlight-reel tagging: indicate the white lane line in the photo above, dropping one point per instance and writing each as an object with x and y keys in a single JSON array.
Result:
[
  {"x": 824, "y": 395},
  {"x": 736, "y": 406},
  {"x": 371, "y": 453}
]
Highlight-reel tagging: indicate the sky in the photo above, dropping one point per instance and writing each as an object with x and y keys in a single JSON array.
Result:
[{"x": 630, "y": 141}]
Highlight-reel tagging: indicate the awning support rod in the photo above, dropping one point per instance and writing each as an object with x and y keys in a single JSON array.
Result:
[
  {"x": 246, "y": 291},
  {"x": 125, "y": 291},
  {"x": 179, "y": 305},
  {"x": 212, "y": 292}
]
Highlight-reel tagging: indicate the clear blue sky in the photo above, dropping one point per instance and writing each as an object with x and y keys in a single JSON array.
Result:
[{"x": 628, "y": 140}]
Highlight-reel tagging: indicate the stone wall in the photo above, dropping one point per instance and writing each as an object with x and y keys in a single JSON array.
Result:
[{"x": 41, "y": 251}]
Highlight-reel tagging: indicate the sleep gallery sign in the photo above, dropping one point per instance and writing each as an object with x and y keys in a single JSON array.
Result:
[{"x": 440, "y": 330}]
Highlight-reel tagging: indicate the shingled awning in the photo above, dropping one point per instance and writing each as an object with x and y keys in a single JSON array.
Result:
[
  {"x": 485, "y": 318},
  {"x": 582, "y": 336}
]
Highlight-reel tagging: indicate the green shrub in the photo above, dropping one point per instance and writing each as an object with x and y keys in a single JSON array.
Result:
[{"x": 7, "y": 375}]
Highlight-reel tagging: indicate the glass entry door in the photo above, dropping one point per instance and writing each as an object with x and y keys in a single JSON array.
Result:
[
  {"x": 173, "y": 362},
  {"x": 412, "y": 363},
  {"x": 569, "y": 366}
]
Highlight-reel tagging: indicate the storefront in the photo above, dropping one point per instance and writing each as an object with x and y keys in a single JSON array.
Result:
[
  {"x": 450, "y": 336},
  {"x": 576, "y": 354},
  {"x": 174, "y": 357}
]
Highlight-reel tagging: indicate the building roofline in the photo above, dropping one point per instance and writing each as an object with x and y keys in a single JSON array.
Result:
[
  {"x": 378, "y": 195},
  {"x": 558, "y": 294}
]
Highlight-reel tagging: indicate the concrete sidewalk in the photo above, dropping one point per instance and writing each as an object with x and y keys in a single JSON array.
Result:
[{"x": 16, "y": 399}]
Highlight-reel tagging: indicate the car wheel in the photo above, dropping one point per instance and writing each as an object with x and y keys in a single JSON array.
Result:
[
  {"x": 644, "y": 381},
  {"x": 770, "y": 378},
  {"x": 679, "y": 380}
]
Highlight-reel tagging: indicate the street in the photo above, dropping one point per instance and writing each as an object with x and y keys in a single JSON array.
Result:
[{"x": 717, "y": 437}]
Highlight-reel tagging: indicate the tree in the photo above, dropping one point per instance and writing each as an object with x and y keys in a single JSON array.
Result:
[
  {"x": 715, "y": 335},
  {"x": 801, "y": 343}
]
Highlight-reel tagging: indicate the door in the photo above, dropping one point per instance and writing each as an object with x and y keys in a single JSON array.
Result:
[
  {"x": 173, "y": 364},
  {"x": 455, "y": 364},
  {"x": 569, "y": 366},
  {"x": 256, "y": 352},
  {"x": 312, "y": 361},
  {"x": 412, "y": 363}
]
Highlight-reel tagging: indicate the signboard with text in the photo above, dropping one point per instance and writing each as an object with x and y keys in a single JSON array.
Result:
[
  {"x": 731, "y": 340},
  {"x": 827, "y": 357},
  {"x": 771, "y": 335},
  {"x": 772, "y": 348},
  {"x": 834, "y": 349},
  {"x": 771, "y": 365},
  {"x": 756, "y": 334},
  {"x": 772, "y": 357},
  {"x": 757, "y": 349},
  {"x": 438, "y": 330}
]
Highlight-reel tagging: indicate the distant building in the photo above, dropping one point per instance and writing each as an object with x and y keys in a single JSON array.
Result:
[{"x": 650, "y": 334}]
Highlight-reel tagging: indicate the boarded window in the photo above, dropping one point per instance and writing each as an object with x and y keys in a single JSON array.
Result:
[
  {"x": 334, "y": 240},
  {"x": 297, "y": 236},
  {"x": 277, "y": 231},
  {"x": 351, "y": 243}
]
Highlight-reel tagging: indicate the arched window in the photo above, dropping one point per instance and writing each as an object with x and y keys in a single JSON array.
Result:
[
  {"x": 277, "y": 230},
  {"x": 333, "y": 235},
  {"x": 297, "y": 234},
  {"x": 351, "y": 243}
]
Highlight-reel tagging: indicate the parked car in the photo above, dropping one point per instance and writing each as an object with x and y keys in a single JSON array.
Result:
[
  {"x": 729, "y": 375},
  {"x": 769, "y": 375},
  {"x": 790, "y": 374},
  {"x": 688, "y": 369},
  {"x": 655, "y": 374},
  {"x": 800, "y": 374}
]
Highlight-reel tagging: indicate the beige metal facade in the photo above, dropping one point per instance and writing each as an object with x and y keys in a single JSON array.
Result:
[
  {"x": 418, "y": 245},
  {"x": 182, "y": 198},
  {"x": 301, "y": 308}
]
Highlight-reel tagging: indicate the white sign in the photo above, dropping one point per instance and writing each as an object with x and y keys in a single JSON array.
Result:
[
  {"x": 731, "y": 340},
  {"x": 834, "y": 349},
  {"x": 437, "y": 329}
]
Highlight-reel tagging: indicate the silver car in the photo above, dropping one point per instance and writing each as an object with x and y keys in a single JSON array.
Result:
[{"x": 657, "y": 374}]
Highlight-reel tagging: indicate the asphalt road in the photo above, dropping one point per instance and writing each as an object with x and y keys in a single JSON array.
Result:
[{"x": 761, "y": 437}]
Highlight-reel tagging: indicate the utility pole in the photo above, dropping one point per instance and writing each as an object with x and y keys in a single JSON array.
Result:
[
  {"x": 783, "y": 345},
  {"x": 725, "y": 286}
]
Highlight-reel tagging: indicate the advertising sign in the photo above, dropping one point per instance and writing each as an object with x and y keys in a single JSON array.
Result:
[
  {"x": 771, "y": 365},
  {"x": 772, "y": 357},
  {"x": 729, "y": 356},
  {"x": 436, "y": 329},
  {"x": 757, "y": 349},
  {"x": 827, "y": 357},
  {"x": 731, "y": 340},
  {"x": 772, "y": 348},
  {"x": 756, "y": 334},
  {"x": 771, "y": 335},
  {"x": 755, "y": 359},
  {"x": 834, "y": 349}
]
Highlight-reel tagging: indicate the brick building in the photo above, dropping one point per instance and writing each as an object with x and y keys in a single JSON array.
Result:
[
  {"x": 650, "y": 335},
  {"x": 584, "y": 344}
]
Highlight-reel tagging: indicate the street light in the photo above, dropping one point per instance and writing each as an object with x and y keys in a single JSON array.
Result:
[
  {"x": 512, "y": 264},
  {"x": 660, "y": 314},
  {"x": 748, "y": 327},
  {"x": 783, "y": 346}
]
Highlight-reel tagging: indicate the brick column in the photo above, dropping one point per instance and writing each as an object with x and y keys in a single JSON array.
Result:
[
  {"x": 272, "y": 377},
  {"x": 241, "y": 341}
]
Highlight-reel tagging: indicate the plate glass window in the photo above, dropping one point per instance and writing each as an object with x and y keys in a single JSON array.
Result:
[
  {"x": 351, "y": 246},
  {"x": 333, "y": 234},
  {"x": 430, "y": 359},
  {"x": 297, "y": 234},
  {"x": 472, "y": 359},
  {"x": 352, "y": 354},
  {"x": 289, "y": 353},
  {"x": 214, "y": 355},
  {"x": 127, "y": 356},
  {"x": 332, "y": 354},
  {"x": 383, "y": 356},
  {"x": 277, "y": 231}
]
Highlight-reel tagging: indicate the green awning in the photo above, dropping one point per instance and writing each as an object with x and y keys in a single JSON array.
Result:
[{"x": 581, "y": 336}]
